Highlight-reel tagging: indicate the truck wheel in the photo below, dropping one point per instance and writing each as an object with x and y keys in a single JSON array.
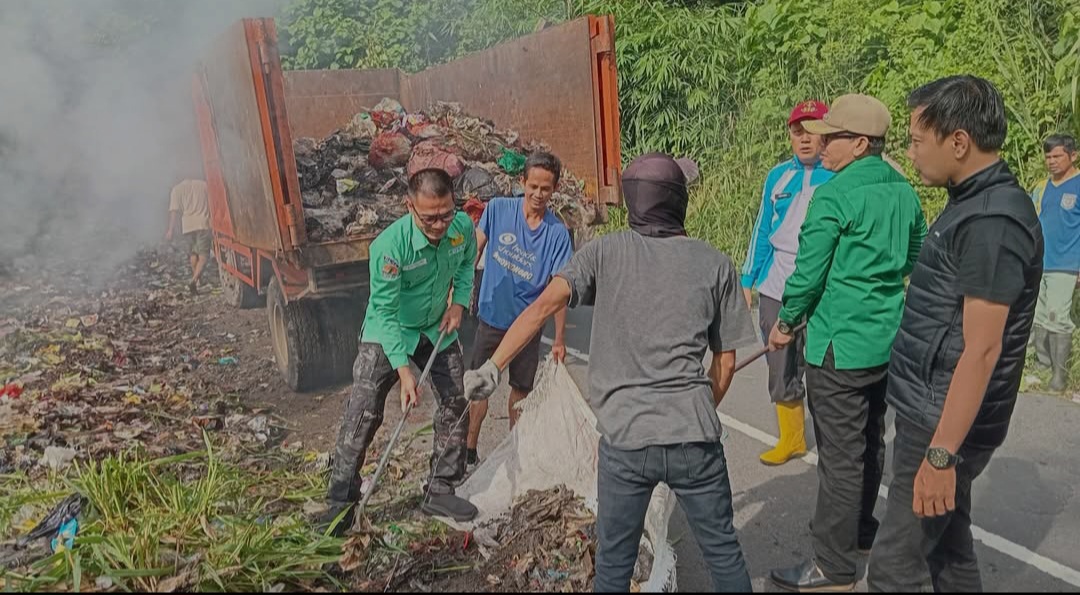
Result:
[
  {"x": 296, "y": 335},
  {"x": 237, "y": 293},
  {"x": 341, "y": 320}
]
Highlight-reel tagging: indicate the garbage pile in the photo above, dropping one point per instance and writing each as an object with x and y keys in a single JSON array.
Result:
[
  {"x": 354, "y": 181},
  {"x": 546, "y": 543},
  {"x": 87, "y": 374}
]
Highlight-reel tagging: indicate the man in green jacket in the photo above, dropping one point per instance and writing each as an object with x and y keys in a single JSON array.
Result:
[
  {"x": 862, "y": 236},
  {"x": 415, "y": 265}
]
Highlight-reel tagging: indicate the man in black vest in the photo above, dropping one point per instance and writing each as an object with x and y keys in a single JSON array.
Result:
[{"x": 958, "y": 359}]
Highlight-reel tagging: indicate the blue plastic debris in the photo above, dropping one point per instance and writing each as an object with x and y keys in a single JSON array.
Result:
[{"x": 66, "y": 534}]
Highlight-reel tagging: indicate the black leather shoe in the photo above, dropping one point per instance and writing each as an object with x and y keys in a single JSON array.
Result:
[
  {"x": 807, "y": 578},
  {"x": 447, "y": 505}
]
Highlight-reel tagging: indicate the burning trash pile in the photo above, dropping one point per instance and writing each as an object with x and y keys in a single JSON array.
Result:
[{"x": 354, "y": 181}]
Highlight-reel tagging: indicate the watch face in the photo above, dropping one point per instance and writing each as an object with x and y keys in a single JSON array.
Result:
[{"x": 939, "y": 458}]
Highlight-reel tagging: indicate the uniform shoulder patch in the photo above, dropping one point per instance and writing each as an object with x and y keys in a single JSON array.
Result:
[{"x": 390, "y": 268}]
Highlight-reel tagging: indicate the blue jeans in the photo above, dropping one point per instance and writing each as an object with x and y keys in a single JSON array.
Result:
[{"x": 697, "y": 473}]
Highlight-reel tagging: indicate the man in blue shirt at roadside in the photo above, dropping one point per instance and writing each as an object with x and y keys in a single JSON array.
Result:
[
  {"x": 1059, "y": 212},
  {"x": 770, "y": 260},
  {"x": 526, "y": 245}
]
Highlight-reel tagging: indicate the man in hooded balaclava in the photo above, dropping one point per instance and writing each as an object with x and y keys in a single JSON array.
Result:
[{"x": 661, "y": 301}]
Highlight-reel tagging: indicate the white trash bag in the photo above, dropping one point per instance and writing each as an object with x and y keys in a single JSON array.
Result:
[{"x": 555, "y": 443}]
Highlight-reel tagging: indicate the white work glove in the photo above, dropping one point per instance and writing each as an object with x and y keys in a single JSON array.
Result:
[{"x": 480, "y": 384}]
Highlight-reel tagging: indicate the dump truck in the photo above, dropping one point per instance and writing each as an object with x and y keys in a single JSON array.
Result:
[{"x": 557, "y": 86}]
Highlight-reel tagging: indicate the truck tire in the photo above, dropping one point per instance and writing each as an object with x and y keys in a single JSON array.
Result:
[
  {"x": 237, "y": 293},
  {"x": 341, "y": 320},
  {"x": 297, "y": 339}
]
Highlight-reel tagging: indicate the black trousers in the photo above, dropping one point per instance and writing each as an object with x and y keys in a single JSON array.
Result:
[
  {"x": 373, "y": 378},
  {"x": 848, "y": 409},
  {"x": 912, "y": 553}
]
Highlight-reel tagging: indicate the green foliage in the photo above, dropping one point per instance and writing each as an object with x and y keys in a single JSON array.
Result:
[
  {"x": 192, "y": 522},
  {"x": 367, "y": 34}
]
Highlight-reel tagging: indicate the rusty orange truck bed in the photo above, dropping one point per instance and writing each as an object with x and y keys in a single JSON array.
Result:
[{"x": 557, "y": 86}]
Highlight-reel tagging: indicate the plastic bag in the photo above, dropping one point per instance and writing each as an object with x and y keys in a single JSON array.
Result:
[
  {"x": 389, "y": 149},
  {"x": 512, "y": 162},
  {"x": 475, "y": 183},
  {"x": 362, "y": 126},
  {"x": 474, "y": 209},
  {"x": 555, "y": 442},
  {"x": 429, "y": 154},
  {"x": 387, "y": 113},
  {"x": 57, "y": 519}
]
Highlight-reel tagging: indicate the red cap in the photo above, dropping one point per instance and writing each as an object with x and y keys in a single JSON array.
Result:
[{"x": 808, "y": 110}]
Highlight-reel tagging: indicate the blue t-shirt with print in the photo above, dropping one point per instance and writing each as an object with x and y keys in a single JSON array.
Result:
[
  {"x": 518, "y": 261},
  {"x": 1059, "y": 211}
]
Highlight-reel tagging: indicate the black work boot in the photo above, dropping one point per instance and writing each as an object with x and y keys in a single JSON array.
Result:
[
  {"x": 471, "y": 457},
  {"x": 451, "y": 506},
  {"x": 1060, "y": 349},
  {"x": 1041, "y": 338},
  {"x": 326, "y": 519},
  {"x": 807, "y": 578}
]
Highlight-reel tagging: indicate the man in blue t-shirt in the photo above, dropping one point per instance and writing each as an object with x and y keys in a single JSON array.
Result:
[
  {"x": 528, "y": 245},
  {"x": 1056, "y": 200}
]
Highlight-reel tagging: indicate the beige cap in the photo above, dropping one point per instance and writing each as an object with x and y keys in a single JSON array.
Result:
[{"x": 859, "y": 114}]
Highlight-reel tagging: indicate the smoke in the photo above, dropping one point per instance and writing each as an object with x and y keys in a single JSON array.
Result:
[{"x": 97, "y": 123}]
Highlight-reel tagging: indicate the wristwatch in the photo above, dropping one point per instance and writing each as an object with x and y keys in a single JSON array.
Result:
[
  {"x": 783, "y": 327},
  {"x": 940, "y": 458}
]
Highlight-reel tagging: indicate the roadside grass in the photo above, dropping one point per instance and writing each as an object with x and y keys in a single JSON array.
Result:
[{"x": 191, "y": 522}]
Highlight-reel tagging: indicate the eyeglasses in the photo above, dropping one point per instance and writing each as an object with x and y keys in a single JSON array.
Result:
[
  {"x": 446, "y": 217},
  {"x": 828, "y": 138}
]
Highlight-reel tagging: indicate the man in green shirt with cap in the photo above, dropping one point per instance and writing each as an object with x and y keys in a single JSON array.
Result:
[
  {"x": 416, "y": 264},
  {"x": 861, "y": 238}
]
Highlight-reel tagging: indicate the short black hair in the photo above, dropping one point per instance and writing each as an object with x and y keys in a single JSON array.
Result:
[
  {"x": 1064, "y": 141},
  {"x": 545, "y": 161},
  {"x": 877, "y": 145},
  {"x": 432, "y": 182},
  {"x": 963, "y": 102}
]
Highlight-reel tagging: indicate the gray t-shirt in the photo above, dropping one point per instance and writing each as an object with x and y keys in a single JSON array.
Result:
[{"x": 661, "y": 303}]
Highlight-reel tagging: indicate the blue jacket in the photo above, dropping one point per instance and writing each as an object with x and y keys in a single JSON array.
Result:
[{"x": 774, "y": 206}]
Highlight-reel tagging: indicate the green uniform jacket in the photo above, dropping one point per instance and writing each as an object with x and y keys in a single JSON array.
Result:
[
  {"x": 411, "y": 280},
  {"x": 861, "y": 238}
]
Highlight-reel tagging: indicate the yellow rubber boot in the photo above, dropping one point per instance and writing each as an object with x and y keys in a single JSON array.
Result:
[{"x": 792, "y": 441}]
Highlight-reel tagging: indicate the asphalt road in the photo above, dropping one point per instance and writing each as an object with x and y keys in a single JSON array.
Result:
[{"x": 1026, "y": 503}]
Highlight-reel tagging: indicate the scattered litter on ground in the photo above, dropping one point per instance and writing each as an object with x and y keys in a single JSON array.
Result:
[
  {"x": 57, "y": 458},
  {"x": 547, "y": 543},
  {"x": 354, "y": 181},
  {"x": 92, "y": 372}
]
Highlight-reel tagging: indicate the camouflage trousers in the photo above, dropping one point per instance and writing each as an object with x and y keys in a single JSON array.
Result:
[{"x": 373, "y": 378}]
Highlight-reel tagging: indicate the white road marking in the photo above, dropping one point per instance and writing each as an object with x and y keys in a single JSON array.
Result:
[{"x": 990, "y": 540}]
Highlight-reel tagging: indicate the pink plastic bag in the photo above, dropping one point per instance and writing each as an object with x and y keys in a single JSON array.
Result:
[{"x": 428, "y": 154}]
